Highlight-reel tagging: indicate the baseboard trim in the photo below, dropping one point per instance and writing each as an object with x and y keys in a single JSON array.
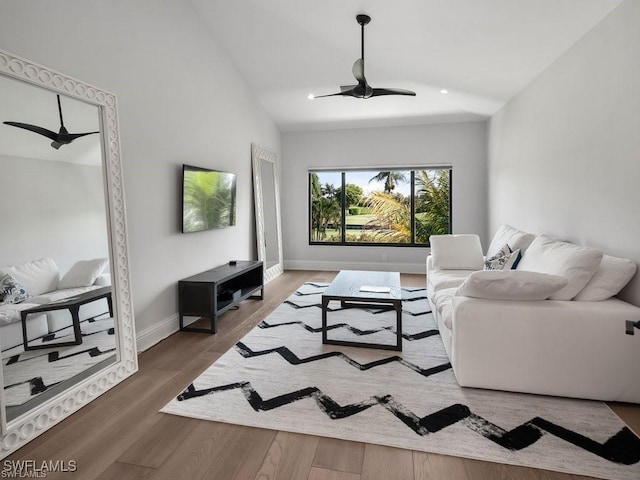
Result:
[
  {"x": 419, "y": 268},
  {"x": 156, "y": 333}
]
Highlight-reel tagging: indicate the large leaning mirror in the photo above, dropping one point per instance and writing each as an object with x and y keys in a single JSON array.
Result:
[
  {"x": 267, "y": 205},
  {"x": 66, "y": 321}
]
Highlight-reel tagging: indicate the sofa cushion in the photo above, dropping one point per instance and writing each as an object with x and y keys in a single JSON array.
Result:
[
  {"x": 516, "y": 239},
  {"x": 38, "y": 276},
  {"x": 511, "y": 285},
  {"x": 60, "y": 295},
  {"x": 83, "y": 273},
  {"x": 456, "y": 252},
  {"x": 442, "y": 301},
  {"x": 576, "y": 263},
  {"x": 441, "y": 279},
  {"x": 505, "y": 259},
  {"x": 612, "y": 275},
  {"x": 11, "y": 291},
  {"x": 10, "y": 312}
]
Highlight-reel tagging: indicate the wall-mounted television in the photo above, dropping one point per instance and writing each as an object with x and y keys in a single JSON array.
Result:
[{"x": 208, "y": 199}]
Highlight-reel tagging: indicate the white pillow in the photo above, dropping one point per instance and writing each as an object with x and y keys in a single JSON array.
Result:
[
  {"x": 456, "y": 252},
  {"x": 83, "y": 273},
  {"x": 511, "y": 285},
  {"x": 37, "y": 277},
  {"x": 516, "y": 239},
  {"x": 610, "y": 277},
  {"x": 577, "y": 264}
]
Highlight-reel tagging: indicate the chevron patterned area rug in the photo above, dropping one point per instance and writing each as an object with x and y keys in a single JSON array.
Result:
[
  {"x": 280, "y": 376},
  {"x": 29, "y": 374}
]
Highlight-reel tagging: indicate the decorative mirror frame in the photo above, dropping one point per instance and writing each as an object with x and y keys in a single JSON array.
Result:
[
  {"x": 259, "y": 154},
  {"x": 21, "y": 430}
]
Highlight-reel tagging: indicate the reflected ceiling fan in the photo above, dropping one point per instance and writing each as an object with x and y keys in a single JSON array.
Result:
[
  {"x": 363, "y": 89},
  {"x": 63, "y": 137}
]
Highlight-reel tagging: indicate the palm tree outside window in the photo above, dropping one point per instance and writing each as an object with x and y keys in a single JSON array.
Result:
[{"x": 379, "y": 207}]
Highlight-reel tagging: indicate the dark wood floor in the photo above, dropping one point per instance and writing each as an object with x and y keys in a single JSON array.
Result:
[{"x": 122, "y": 436}]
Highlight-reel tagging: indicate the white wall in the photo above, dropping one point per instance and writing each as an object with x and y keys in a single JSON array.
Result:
[
  {"x": 564, "y": 154},
  {"x": 180, "y": 101},
  {"x": 51, "y": 209},
  {"x": 461, "y": 145}
]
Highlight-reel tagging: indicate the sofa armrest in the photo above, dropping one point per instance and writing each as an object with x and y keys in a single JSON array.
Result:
[{"x": 551, "y": 347}]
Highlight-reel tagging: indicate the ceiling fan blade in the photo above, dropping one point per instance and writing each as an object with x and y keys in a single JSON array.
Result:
[
  {"x": 66, "y": 138},
  {"x": 344, "y": 88},
  {"x": 72, "y": 136},
  {"x": 344, "y": 93},
  {"x": 358, "y": 70},
  {"x": 378, "y": 92},
  {"x": 34, "y": 128}
]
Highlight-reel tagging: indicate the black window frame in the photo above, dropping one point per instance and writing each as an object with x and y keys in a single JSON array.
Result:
[{"x": 343, "y": 205}]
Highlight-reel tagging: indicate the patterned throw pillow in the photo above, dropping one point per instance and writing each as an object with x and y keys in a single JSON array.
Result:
[
  {"x": 11, "y": 291},
  {"x": 504, "y": 259}
]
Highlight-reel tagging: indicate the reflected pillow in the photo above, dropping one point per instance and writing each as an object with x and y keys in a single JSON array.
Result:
[
  {"x": 11, "y": 291},
  {"x": 83, "y": 273}
]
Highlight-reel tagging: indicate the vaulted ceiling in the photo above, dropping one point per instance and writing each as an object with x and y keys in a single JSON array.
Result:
[{"x": 482, "y": 52}]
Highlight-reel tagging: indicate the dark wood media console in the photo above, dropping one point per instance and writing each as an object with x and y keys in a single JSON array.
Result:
[{"x": 209, "y": 294}]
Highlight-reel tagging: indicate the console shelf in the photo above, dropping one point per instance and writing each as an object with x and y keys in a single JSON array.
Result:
[{"x": 209, "y": 294}]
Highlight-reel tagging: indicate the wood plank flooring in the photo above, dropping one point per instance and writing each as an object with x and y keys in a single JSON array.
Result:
[{"x": 122, "y": 436}]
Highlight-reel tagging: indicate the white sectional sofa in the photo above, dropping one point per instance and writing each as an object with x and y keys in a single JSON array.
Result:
[
  {"x": 39, "y": 282},
  {"x": 552, "y": 325}
]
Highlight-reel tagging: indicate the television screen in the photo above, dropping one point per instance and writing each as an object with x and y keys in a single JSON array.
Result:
[{"x": 208, "y": 199}]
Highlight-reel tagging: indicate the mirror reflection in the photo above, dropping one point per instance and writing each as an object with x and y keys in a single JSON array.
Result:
[
  {"x": 272, "y": 256},
  {"x": 56, "y": 310},
  {"x": 266, "y": 196}
]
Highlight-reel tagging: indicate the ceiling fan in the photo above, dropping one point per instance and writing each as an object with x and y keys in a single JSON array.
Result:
[
  {"x": 63, "y": 137},
  {"x": 363, "y": 89}
]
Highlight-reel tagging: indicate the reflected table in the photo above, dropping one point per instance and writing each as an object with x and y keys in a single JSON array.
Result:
[{"x": 72, "y": 304}]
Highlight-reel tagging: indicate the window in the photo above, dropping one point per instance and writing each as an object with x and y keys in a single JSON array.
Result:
[{"x": 379, "y": 207}]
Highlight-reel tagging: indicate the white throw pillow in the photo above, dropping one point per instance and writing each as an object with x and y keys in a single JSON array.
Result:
[
  {"x": 610, "y": 277},
  {"x": 37, "y": 277},
  {"x": 83, "y": 273},
  {"x": 577, "y": 264},
  {"x": 516, "y": 239},
  {"x": 511, "y": 285},
  {"x": 456, "y": 252}
]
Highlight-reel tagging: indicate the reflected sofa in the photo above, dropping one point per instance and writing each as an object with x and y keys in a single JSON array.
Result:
[{"x": 39, "y": 282}]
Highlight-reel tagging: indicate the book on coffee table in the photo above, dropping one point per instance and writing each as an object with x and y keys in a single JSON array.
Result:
[{"x": 366, "y": 288}]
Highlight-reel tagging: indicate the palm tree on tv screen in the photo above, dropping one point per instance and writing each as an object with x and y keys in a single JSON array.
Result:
[{"x": 208, "y": 200}]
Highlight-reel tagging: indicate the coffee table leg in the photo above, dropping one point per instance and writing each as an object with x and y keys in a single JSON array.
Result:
[
  {"x": 325, "y": 303},
  {"x": 398, "y": 307}
]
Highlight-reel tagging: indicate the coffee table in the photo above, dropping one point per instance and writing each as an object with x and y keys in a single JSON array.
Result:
[
  {"x": 72, "y": 304},
  {"x": 362, "y": 289}
]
